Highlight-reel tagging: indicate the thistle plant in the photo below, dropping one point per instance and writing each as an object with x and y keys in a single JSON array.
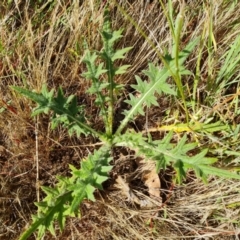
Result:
[{"x": 64, "y": 199}]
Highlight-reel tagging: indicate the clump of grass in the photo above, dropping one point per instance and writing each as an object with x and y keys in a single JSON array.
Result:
[{"x": 41, "y": 43}]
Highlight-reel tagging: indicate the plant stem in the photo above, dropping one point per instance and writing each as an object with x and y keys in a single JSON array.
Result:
[{"x": 111, "y": 97}]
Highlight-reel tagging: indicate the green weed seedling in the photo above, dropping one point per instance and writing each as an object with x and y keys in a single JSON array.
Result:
[{"x": 64, "y": 199}]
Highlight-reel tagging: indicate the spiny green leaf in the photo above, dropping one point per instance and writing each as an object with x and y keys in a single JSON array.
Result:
[
  {"x": 219, "y": 172},
  {"x": 97, "y": 167},
  {"x": 99, "y": 179},
  {"x": 146, "y": 97},
  {"x": 41, "y": 232},
  {"x": 72, "y": 105},
  {"x": 65, "y": 110},
  {"x": 61, "y": 217},
  {"x": 200, "y": 173},
  {"x": 189, "y": 146},
  {"x": 165, "y": 153},
  {"x": 179, "y": 167},
  {"x": 89, "y": 192},
  {"x": 180, "y": 145},
  {"x": 161, "y": 162},
  {"x": 119, "y": 54},
  {"x": 46, "y": 93},
  {"x": 36, "y": 97},
  {"x": 198, "y": 158},
  {"x": 41, "y": 100},
  {"x": 120, "y": 70},
  {"x": 129, "y": 139},
  {"x": 51, "y": 228},
  {"x": 41, "y": 204},
  {"x": 94, "y": 171},
  {"x": 47, "y": 218},
  {"x": 79, "y": 194},
  {"x": 50, "y": 191},
  {"x": 106, "y": 169}
]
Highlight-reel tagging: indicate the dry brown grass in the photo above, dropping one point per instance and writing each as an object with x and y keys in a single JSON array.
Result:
[{"x": 42, "y": 43}]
